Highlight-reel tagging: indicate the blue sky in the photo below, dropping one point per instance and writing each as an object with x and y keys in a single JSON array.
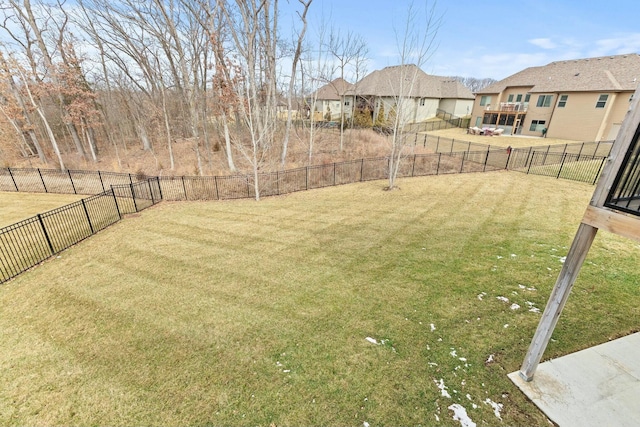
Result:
[{"x": 489, "y": 38}]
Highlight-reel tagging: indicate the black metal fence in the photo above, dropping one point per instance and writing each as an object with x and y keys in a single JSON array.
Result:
[{"x": 33, "y": 240}]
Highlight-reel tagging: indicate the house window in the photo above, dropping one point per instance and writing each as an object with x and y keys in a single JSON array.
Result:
[
  {"x": 519, "y": 97},
  {"x": 563, "y": 101},
  {"x": 527, "y": 97},
  {"x": 422, "y": 102},
  {"x": 602, "y": 101},
  {"x": 346, "y": 103},
  {"x": 510, "y": 99},
  {"x": 537, "y": 125},
  {"x": 485, "y": 100},
  {"x": 544, "y": 101}
]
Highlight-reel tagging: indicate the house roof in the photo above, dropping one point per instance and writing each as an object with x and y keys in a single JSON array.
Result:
[
  {"x": 605, "y": 73},
  {"x": 333, "y": 90},
  {"x": 386, "y": 82}
]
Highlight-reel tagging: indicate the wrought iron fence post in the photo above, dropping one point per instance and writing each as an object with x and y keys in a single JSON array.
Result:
[
  {"x": 506, "y": 165},
  {"x": 362, "y": 169},
  {"x": 184, "y": 188},
  {"x": 42, "y": 180},
  {"x": 101, "y": 182},
  {"x": 86, "y": 212},
  {"x": 464, "y": 154},
  {"x": 527, "y": 161},
  {"x": 150, "y": 191},
  {"x": 486, "y": 159},
  {"x": 46, "y": 235},
  {"x": 72, "y": 184},
  {"x": 215, "y": 181},
  {"x": 133, "y": 196},
  {"x": 595, "y": 178},
  {"x": 115, "y": 199},
  {"x": 564, "y": 156},
  {"x": 159, "y": 187},
  {"x": 334, "y": 174},
  {"x": 413, "y": 167},
  {"x": 13, "y": 179},
  {"x": 438, "y": 165}
]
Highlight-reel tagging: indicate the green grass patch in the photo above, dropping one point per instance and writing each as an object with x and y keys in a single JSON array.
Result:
[
  {"x": 245, "y": 313},
  {"x": 15, "y": 207}
]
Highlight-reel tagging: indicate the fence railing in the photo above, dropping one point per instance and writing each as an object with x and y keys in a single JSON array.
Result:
[{"x": 31, "y": 241}]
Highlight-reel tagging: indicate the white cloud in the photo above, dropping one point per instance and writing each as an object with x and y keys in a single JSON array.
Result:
[
  {"x": 543, "y": 43},
  {"x": 621, "y": 44}
]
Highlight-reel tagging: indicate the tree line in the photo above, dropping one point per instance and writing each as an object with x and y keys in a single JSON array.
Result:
[{"x": 103, "y": 76}]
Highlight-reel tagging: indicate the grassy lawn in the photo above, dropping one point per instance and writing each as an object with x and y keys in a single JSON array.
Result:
[
  {"x": 15, "y": 207},
  {"x": 245, "y": 313}
]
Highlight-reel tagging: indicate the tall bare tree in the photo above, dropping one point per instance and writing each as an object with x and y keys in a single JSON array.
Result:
[
  {"x": 253, "y": 26},
  {"x": 416, "y": 43},
  {"x": 292, "y": 79},
  {"x": 348, "y": 51}
]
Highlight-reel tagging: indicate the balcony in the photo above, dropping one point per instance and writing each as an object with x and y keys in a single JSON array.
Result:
[{"x": 514, "y": 107}]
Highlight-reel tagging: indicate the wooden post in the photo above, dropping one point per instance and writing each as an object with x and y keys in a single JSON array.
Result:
[{"x": 570, "y": 269}]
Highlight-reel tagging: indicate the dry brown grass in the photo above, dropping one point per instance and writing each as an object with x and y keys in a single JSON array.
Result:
[
  {"x": 501, "y": 141},
  {"x": 358, "y": 144}
]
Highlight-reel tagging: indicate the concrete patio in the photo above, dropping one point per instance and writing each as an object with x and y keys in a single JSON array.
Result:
[{"x": 598, "y": 386}]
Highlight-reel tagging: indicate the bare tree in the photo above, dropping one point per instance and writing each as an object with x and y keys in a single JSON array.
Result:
[
  {"x": 348, "y": 51},
  {"x": 473, "y": 83},
  {"x": 253, "y": 27},
  {"x": 416, "y": 43},
  {"x": 294, "y": 65}
]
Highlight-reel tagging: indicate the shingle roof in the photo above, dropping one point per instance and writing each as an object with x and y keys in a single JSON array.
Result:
[
  {"x": 386, "y": 82},
  {"x": 606, "y": 73},
  {"x": 334, "y": 90}
]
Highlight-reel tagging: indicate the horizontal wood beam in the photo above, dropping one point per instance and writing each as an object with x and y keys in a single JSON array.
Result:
[{"x": 613, "y": 222}]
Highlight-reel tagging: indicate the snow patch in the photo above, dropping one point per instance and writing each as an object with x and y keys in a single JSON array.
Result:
[
  {"x": 503, "y": 299},
  {"x": 453, "y": 352},
  {"x": 514, "y": 306},
  {"x": 489, "y": 359},
  {"x": 433, "y": 327},
  {"x": 497, "y": 407},
  {"x": 482, "y": 295},
  {"x": 371, "y": 340},
  {"x": 443, "y": 388},
  {"x": 460, "y": 414}
]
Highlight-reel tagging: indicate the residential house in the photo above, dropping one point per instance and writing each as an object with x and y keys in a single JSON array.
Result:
[
  {"x": 582, "y": 99},
  {"x": 326, "y": 101},
  {"x": 426, "y": 94}
]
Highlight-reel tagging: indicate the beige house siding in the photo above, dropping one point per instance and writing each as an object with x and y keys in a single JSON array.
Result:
[
  {"x": 323, "y": 106},
  {"x": 457, "y": 107},
  {"x": 581, "y": 120},
  {"x": 618, "y": 113},
  {"x": 426, "y": 111},
  {"x": 535, "y": 113},
  {"x": 478, "y": 110}
]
